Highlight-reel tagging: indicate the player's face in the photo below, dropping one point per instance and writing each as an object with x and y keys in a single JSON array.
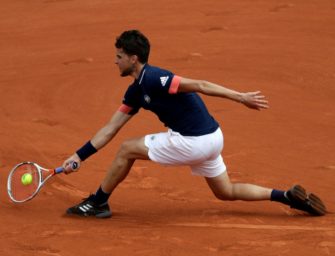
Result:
[{"x": 125, "y": 63}]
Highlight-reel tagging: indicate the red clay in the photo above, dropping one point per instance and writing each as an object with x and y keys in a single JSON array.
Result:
[{"x": 58, "y": 85}]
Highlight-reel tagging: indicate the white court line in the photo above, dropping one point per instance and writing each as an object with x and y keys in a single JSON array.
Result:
[{"x": 249, "y": 226}]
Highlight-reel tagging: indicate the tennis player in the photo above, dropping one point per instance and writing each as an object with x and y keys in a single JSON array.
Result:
[{"x": 193, "y": 136}]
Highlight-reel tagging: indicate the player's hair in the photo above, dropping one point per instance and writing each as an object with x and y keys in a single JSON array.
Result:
[{"x": 133, "y": 42}]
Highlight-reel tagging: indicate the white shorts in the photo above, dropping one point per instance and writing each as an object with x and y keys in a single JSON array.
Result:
[{"x": 201, "y": 153}]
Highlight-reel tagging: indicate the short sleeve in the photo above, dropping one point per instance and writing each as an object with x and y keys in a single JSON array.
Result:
[
  {"x": 131, "y": 101},
  {"x": 174, "y": 85},
  {"x": 159, "y": 80}
]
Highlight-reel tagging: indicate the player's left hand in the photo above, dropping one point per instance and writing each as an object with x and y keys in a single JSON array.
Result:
[{"x": 254, "y": 100}]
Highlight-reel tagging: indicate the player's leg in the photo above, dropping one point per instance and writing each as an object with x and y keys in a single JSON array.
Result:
[
  {"x": 97, "y": 204},
  {"x": 129, "y": 151},
  {"x": 296, "y": 197},
  {"x": 223, "y": 189}
]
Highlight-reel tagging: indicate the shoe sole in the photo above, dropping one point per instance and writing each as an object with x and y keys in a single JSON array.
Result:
[
  {"x": 102, "y": 215},
  {"x": 316, "y": 206}
]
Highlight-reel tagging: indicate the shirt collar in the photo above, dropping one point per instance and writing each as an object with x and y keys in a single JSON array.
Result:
[{"x": 140, "y": 77}]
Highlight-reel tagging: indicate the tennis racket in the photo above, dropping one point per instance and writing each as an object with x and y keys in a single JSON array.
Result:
[{"x": 20, "y": 191}]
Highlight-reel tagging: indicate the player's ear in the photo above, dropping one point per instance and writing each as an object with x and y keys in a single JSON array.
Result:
[{"x": 134, "y": 59}]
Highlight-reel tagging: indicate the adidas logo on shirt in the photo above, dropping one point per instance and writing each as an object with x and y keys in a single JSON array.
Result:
[{"x": 164, "y": 80}]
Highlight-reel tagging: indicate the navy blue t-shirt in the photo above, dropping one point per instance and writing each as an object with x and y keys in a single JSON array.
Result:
[{"x": 185, "y": 113}]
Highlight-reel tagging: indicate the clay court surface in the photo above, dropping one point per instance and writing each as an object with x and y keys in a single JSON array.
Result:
[{"x": 59, "y": 85}]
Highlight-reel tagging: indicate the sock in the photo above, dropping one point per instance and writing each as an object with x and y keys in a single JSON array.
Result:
[
  {"x": 101, "y": 197},
  {"x": 279, "y": 196}
]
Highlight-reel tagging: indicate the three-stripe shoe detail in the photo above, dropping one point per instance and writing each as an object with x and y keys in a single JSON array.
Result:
[
  {"x": 90, "y": 208},
  {"x": 85, "y": 207}
]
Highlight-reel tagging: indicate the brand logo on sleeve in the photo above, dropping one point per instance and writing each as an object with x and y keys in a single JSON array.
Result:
[{"x": 164, "y": 80}]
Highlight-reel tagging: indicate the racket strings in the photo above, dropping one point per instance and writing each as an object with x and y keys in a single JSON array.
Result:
[{"x": 18, "y": 190}]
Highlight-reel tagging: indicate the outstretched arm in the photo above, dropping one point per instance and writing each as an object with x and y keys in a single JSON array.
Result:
[
  {"x": 101, "y": 138},
  {"x": 107, "y": 133},
  {"x": 254, "y": 100}
]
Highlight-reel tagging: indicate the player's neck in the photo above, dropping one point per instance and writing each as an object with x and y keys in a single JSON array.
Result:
[{"x": 137, "y": 71}]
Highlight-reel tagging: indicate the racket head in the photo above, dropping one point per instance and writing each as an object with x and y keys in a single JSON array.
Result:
[{"x": 17, "y": 191}]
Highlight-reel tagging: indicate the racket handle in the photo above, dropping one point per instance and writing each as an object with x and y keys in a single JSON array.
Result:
[
  {"x": 74, "y": 166},
  {"x": 59, "y": 170}
]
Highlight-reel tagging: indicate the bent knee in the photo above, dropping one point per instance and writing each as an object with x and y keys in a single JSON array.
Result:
[
  {"x": 134, "y": 148},
  {"x": 225, "y": 193},
  {"x": 224, "y": 196},
  {"x": 125, "y": 148}
]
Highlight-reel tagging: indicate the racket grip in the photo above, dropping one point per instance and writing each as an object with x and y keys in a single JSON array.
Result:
[
  {"x": 59, "y": 170},
  {"x": 74, "y": 166}
]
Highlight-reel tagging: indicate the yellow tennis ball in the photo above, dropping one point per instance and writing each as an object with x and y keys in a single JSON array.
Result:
[{"x": 26, "y": 179}]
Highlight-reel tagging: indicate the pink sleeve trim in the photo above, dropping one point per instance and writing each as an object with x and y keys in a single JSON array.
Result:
[
  {"x": 125, "y": 109},
  {"x": 174, "y": 84}
]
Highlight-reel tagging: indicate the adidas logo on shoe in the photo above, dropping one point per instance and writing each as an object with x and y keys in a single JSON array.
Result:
[{"x": 89, "y": 208}]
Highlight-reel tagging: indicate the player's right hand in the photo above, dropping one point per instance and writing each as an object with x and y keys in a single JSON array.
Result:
[{"x": 68, "y": 164}]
